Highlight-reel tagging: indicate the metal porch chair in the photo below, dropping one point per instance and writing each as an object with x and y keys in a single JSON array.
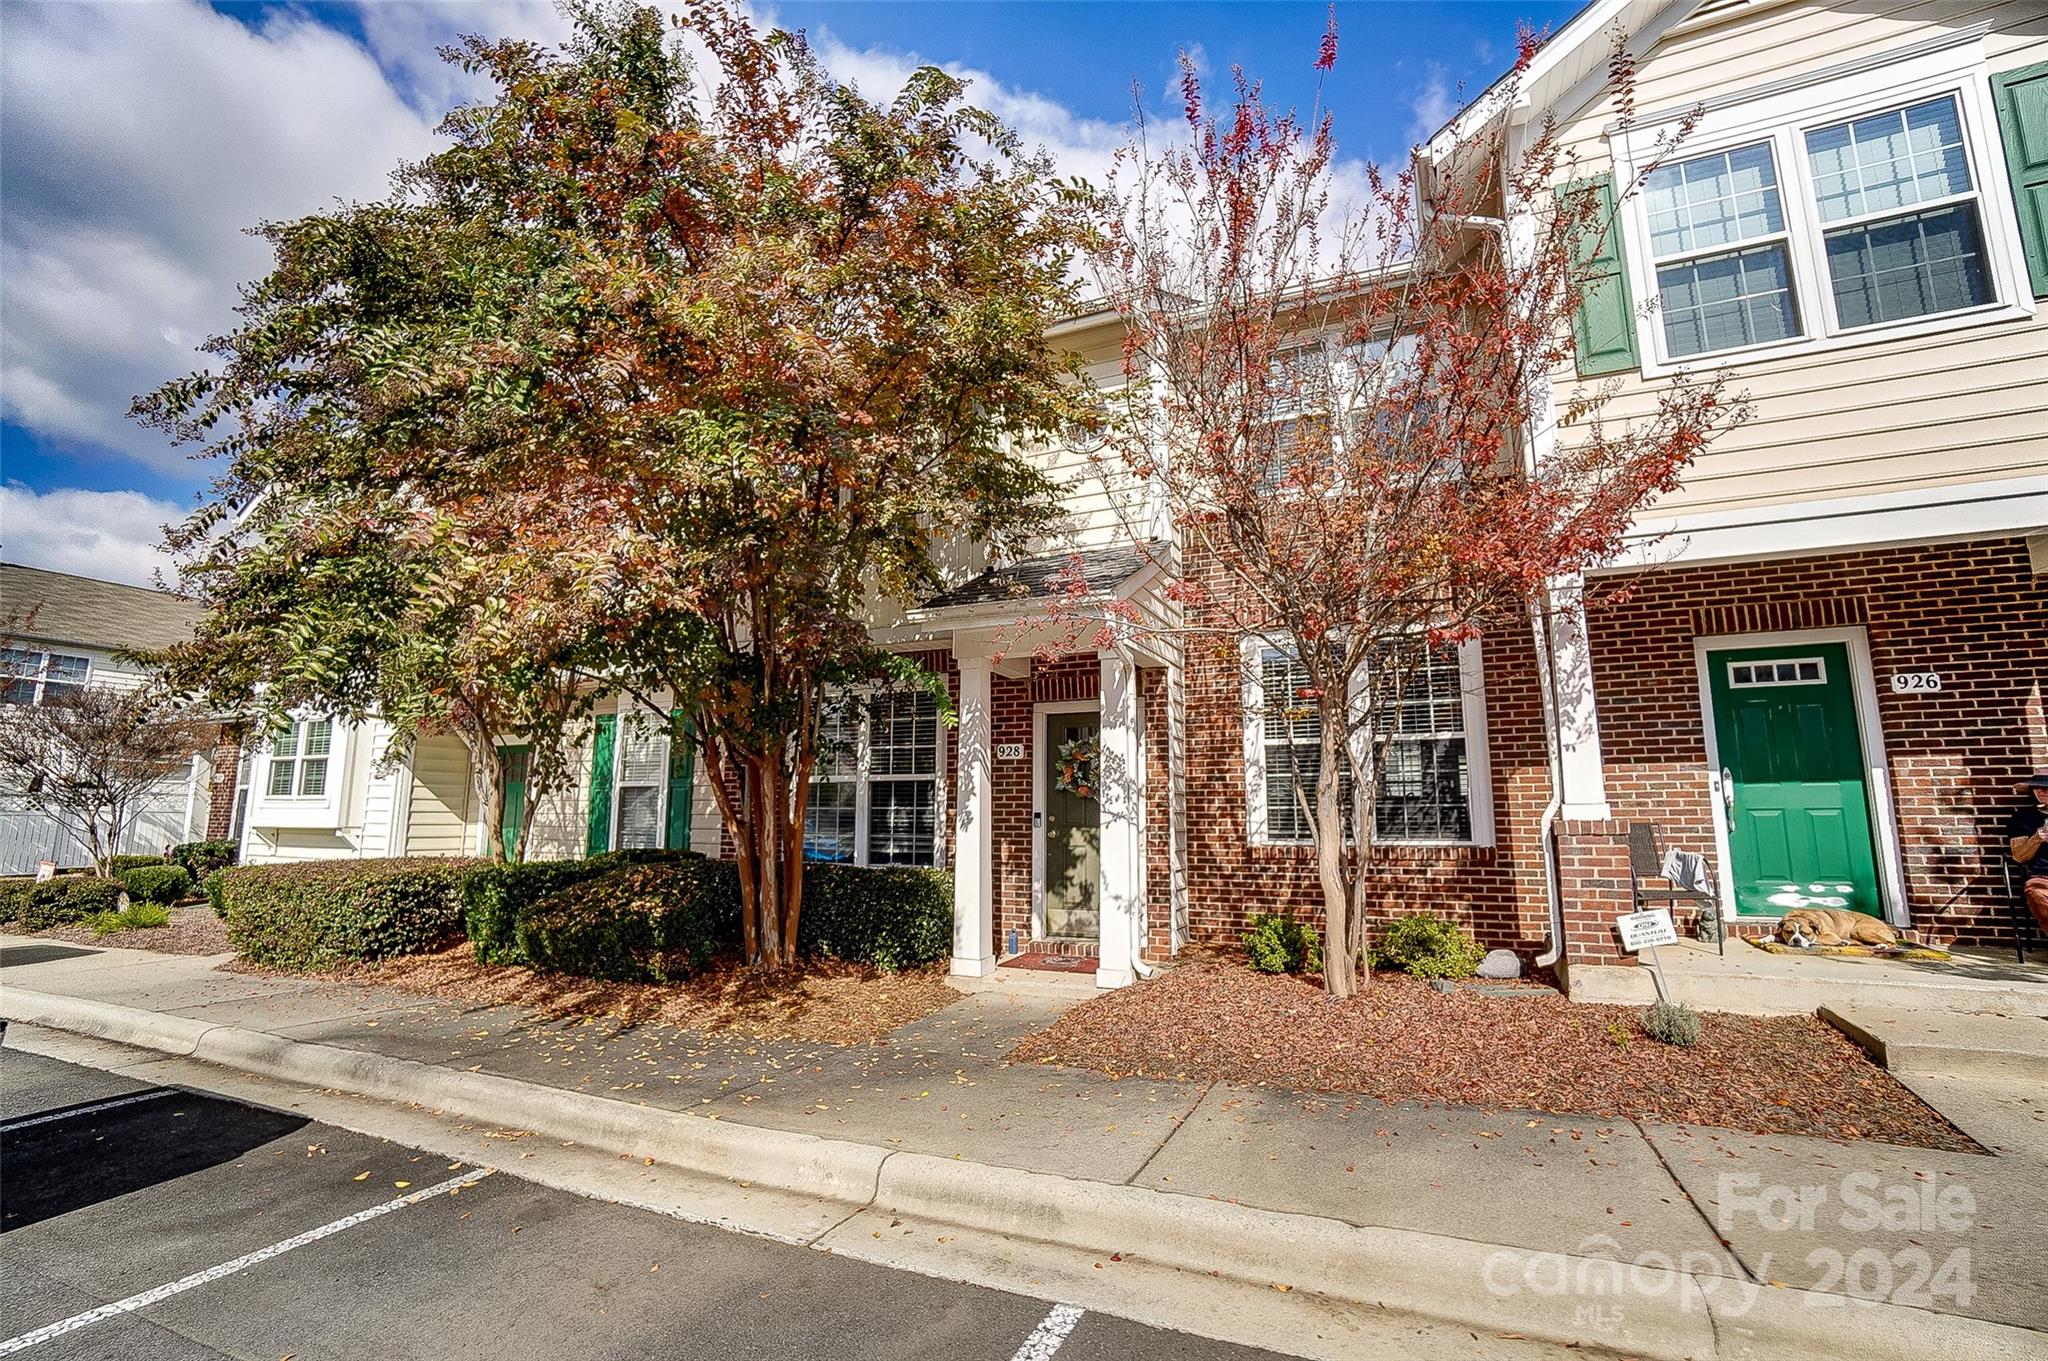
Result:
[{"x": 1650, "y": 889}]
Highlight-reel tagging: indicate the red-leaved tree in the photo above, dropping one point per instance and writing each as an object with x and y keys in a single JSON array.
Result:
[{"x": 1333, "y": 395}]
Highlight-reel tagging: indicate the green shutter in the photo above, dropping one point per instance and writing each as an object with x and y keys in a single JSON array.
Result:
[
  {"x": 601, "y": 744},
  {"x": 1604, "y": 328},
  {"x": 682, "y": 765},
  {"x": 2022, "y": 100}
]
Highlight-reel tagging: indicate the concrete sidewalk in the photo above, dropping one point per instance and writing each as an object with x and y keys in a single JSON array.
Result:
[{"x": 1533, "y": 1195}]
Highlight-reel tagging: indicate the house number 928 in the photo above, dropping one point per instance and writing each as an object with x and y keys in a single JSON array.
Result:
[
  {"x": 1009, "y": 751},
  {"x": 1915, "y": 683}
]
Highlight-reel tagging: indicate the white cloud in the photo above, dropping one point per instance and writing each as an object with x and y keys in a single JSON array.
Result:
[
  {"x": 141, "y": 141},
  {"x": 111, "y": 535},
  {"x": 1432, "y": 106}
]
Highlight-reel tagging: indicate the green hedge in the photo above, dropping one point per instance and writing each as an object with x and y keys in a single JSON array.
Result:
[
  {"x": 161, "y": 884},
  {"x": 201, "y": 858},
  {"x": 117, "y": 865},
  {"x": 323, "y": 913},
  {"x": 636, "y": 923},
  {"x": 56, "y": 902},
  {"x": 894, "y": 918},
  {"x": 652, "y": 915}
]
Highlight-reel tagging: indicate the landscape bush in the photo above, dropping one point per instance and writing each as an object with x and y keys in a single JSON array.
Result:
[
  {"x": 117, "y": 865},
  {"x": 164, "y": 884},
  {"x": 1672, "y": 1023},
  {"x": 320, "y": 914},
  {"x": 1425, "y": 945},
  {"x": 61, "y": 901},
  {"x": 136, "y": 916},
  {"x": 664, "y": 914},
  {"x": 1279, "y": 943},
  {"x": 201, "y": 858}
]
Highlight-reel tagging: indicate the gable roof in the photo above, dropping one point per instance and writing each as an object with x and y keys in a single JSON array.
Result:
[{"x": 90, "y": 612}]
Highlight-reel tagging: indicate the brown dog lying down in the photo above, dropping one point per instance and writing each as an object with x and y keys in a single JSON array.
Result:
[{"x": 1833, "y": 926}]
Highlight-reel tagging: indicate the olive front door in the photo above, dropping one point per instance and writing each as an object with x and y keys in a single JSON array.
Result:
[
  {"x": 1073, "y": 825},
  {"x": 1793, "y": 779}
]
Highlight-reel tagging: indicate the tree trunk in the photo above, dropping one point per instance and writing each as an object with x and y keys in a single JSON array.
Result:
[
  {"x": 490, "y": 785},
  {"x": 1340, "y": 971},
  {"x": 768, "y": 844}
]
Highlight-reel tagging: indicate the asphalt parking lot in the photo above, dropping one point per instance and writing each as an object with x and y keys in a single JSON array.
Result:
[{"x": 161, "y": 1224}]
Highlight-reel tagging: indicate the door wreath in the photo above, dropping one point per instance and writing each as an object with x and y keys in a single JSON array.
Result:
[{"x": 1073, "y": 766}]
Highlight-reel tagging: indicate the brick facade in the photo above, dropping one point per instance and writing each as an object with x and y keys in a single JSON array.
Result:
[
  {"x": 1496, "y": 892},
  {"x": 220, "y": 794},
  {"x": 1975, "y": 613}
]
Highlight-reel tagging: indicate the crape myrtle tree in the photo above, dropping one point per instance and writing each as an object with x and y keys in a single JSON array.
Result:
[
  {"x": 90, "y": 757},
  {"x": 355, "y": 602},
  {"x": 695, "y": 356},
  {"x": 1332, "y": 403}
]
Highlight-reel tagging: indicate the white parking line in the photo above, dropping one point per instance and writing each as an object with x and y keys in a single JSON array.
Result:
[
  {"x": 243, "y": 1263},
  {"x": 1050, "y": 1333},
  {"x": 27, "y": 1120}
]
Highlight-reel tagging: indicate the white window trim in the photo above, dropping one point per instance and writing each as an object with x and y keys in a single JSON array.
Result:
[
  {"x": 1782, "y": 120},
  {"x": 863, "y": 779},
  {"x": 322, "y": 811},
  {"x": 1478, "y": 750},
  {"x": 298, "y": 760},
  {"x": 41, "y": 679},
  {"x": 628, "y": 714}
]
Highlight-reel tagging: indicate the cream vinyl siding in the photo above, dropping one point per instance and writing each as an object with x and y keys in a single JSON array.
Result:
[
  {"x": 440, "y": 822},
  {"x": 1903, "y": 414},
  {"x": 1104, "y": 505}
]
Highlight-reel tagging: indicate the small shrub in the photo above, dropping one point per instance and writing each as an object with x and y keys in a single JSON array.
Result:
[
  {"x": 894, "y": 918},
  {"x": 1427, "y": 946},
  {"x": 1672, "y": 1023},
  {"x": 117, "y": 865},
  {"x": 645, "y": 923},
  {"x": 66, "y": 899},
  {"x": 495, "y": 896},
  {"x": 13, "y": 893},
  {"x": 215, "y": 888},
  {"x": 165, "y": 884},
  {"x": 1618, "y": 1033},
  {"x": 145, "y": 916},
  {"x": 323, "y": 913},
  {"x": 201, "y": 858},
  {"x": 1278, "y": 943},
  {"x": 103, "y": 923}
]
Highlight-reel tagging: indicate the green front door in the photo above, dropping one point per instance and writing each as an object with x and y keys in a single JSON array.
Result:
[
  {"x": 1791, "y": 756},
  {"x": 514, "y": 762},
  {"x": 1073, "y": 826}
]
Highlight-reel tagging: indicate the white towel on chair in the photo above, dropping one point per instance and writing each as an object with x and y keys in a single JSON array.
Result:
[{"x": 1686, "y": 869}]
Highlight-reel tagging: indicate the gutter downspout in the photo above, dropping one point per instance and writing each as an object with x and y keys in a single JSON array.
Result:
[{"x": 1546, "y": 680}]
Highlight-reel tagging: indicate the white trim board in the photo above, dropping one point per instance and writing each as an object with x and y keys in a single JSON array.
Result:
[
  {"x": 1891, "y": 870},
  {"x": 1971, "y": 510}
]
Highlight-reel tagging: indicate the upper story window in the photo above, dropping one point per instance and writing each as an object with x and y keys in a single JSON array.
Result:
[
  {"x": 31, "y": 677},
  {"x": 1855, "y": 207},
  {"x": 299, "y": 755},
  {"x": 874, "y": 796}
]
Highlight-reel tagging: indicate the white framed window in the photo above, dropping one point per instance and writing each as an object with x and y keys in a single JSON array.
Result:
[
  {"x": 28, "y": 676},
  {"x": 1866, "y": 206},
  {"x": 875, "y": 794},
  {"x": 639, "y": 780},
  {"x": 300, "y": 753},
  {"x": 1434, "y": 788}
]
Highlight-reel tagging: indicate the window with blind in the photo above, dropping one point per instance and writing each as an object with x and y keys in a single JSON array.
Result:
[
  {"x": 298, "y": 760},
  {"x": 1429, "y": 735},
  {"x": 875, "y": 788},
  {"x": 641, "y": 777}
]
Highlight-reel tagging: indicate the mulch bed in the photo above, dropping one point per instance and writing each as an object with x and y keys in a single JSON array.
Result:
[
  {"x": 1400, "y": 1040},
  {"x": 192, "y": 931},
  {"x": 824, "y": 1002}
]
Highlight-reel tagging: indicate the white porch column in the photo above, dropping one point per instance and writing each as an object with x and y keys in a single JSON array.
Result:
[
  {"x": 1578, "y": 716},
  {"x": 974, "y": 937},
  {"x": 1120, "y": 790}
]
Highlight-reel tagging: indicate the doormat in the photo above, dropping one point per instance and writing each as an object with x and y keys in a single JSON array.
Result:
[
  {"x": 1911, "y": 954},
  {"x": 1052, "y": 963}
]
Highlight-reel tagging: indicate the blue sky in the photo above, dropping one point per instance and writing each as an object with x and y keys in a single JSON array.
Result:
[{"x": 121, "y": 233}]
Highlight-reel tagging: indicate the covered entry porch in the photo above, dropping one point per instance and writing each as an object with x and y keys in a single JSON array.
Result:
[{"x": 1064, "y": 805}]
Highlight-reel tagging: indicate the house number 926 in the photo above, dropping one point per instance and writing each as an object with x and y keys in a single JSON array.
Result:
[{"x": 1915, "y": 683}]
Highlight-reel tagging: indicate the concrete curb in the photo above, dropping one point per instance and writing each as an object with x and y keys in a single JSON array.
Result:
[{"x": 1665, "y": 1313}]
